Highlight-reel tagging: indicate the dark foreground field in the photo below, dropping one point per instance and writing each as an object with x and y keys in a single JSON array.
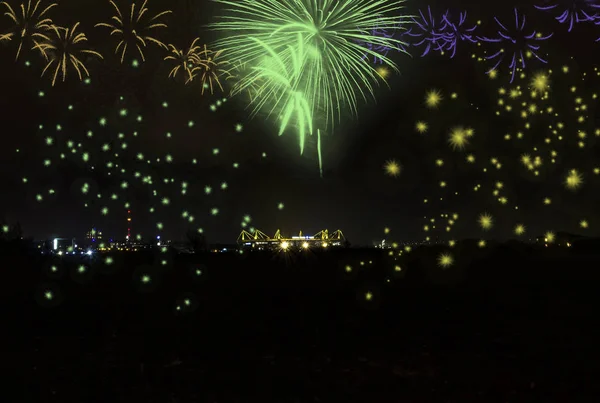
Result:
[{"x": 510, "y": 324}]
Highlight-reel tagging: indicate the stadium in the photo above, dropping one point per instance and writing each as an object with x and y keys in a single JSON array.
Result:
[{"x": 258, "y": 240}]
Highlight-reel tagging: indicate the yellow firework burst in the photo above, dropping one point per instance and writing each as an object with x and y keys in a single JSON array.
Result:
[
  {"x": 383, "y": 72},
  {"x": 211, "y": 69},
  {"x": 64, "y": 50},
  {"x": 421, "y": 127},
  {"x": 573, "y": 180},
  {"x": 458, "y": 138},
  {"x": 445, "y": 260},
  {"x": 30, "y": 24},
  {"x": 392, "y": 168},
  {"x": 519, "y": 229},
  {"x": 186, "y": 60},
  {"x": 540, "y": 82},
  {"x": 133, "y": 29},
  {"x": 485, "y": 221},
  {"x": 433, "y": 99}
]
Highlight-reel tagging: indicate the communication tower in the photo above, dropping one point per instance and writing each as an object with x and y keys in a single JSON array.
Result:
[{"x": 128, "y": 225}]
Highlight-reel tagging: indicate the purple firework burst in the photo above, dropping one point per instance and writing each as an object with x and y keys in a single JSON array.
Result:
[
  {"x": 521, "y": 43},
  {"x": 404, "y": 44},
  {"x": 454, "y": 32},
  {"x": 381, "y": 49},
  {"x": 572, "y": 11},
  {"x": 597, "y": 23},
  {"x": 425, "y": 29}
]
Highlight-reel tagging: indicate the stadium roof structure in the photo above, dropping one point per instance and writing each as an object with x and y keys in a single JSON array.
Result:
[{"x": 259, "y": 236}]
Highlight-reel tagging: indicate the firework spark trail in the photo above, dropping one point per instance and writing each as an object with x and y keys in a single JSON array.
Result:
[
  {"x": 518, "y": 56},
  {"x": 382, "y": 49},
  {"x": 403, "y": 44},
  {"x": 335, "y": 74},
  {"x": 243, "y": 70},
  {"x": 311, "y": 82},
  {"x": 62, "y": 51},
  {"x": 131, "y": 29},
  {"x": 186, "y": 60},
  {"x": 597, "y": 23},
  {"x": 282, "y": 88},
  {"x": 28, "y": 25},
  {"x": 316, "y": 51},
  {"x": 425, "y": 29},
  {"x": 574, "y": 13},
  {"x": 452, "y": 33},
  {"x": 212, "y": 66}
]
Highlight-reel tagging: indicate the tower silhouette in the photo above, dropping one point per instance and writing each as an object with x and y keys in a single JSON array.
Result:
[{"x": 128, "y": 225}]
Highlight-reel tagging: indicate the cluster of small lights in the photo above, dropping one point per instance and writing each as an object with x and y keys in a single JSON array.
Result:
[
  {"x": 113, "y": 148},
  {"x": 549, "y": 142}
]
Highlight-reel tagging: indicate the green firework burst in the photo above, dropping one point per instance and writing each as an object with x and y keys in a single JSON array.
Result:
[
  {"x": 307, "y": 56},
  {"x": 281, "y": 87}
]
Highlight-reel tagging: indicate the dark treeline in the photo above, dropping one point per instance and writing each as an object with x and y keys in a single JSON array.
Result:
[{"x": 507, "y": 323}]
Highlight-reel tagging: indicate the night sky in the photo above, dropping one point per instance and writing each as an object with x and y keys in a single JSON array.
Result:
[{"x": 355, "y": 194}]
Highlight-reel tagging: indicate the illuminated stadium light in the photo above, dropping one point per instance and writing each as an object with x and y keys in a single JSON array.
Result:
[{"x": 258, "y": 240}]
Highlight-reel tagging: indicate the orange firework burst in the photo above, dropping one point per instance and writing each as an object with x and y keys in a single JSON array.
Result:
[
  {"x": 30, "y": 23},
  {"x": 211, "y": 69},
  {"x": 62, "y": 50},
  {"x": 187, "y": 60},
  {"x": 131, "y": 29}
]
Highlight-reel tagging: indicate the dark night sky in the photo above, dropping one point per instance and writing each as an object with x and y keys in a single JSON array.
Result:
[{"x": 355, "y": 195}]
